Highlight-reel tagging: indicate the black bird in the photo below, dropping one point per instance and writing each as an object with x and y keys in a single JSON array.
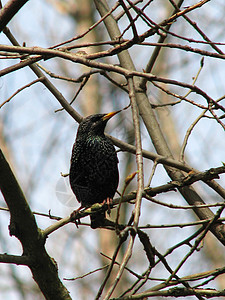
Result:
[{"x": 94, "y": 172}]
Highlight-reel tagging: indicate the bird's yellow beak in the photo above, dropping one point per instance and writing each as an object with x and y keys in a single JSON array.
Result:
[{"x": 110, "y": 115}]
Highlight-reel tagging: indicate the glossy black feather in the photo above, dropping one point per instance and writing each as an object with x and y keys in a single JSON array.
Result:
[{"x": 94, "y": 165}]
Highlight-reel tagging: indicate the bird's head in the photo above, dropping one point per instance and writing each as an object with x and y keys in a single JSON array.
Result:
[{"x": 95, "y": 124}]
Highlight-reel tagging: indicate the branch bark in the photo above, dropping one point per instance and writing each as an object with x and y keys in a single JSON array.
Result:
[
  {"x": 24, "y": 227},
  {"x": 9, "y": 11}
]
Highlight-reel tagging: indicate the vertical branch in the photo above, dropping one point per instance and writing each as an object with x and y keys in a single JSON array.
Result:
[
  {"x": 122, "y": 239},
  {"x": 123, "y": 264},
  {"x": 139, "y": 158},
  {"x": 188, "y": 133}
]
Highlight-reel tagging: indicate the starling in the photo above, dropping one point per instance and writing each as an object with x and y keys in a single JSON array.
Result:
[{"x": 94, "y": 172}]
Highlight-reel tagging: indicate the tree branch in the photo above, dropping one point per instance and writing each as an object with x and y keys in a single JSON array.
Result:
[
  {"x": 9, "y": 11},
  {"x": 15, "y": 259},
  {"x": 24, "y": 227}
]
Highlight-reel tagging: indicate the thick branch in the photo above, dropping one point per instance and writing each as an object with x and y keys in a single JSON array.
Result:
[
  {"x": 15, "y": 259},
  {"x": 24, "y": 227},
  {"x": 9, "y": 11}
]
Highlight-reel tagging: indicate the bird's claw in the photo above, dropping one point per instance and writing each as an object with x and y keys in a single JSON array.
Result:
[
  {"x": 73, "y": 217},
  {"x": 108, "y": 201}
]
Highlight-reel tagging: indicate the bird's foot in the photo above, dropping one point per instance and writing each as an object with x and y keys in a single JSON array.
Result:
[
  {"x": 73, "y": 216},
  {"x": 108, "y": 201}
]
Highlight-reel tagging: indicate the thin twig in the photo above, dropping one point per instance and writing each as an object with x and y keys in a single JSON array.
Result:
[
  {"x": 109, "y": 270},
  {"x": 21, "y": 89},
  {"x": 190, "y": 129},
  {"x": 84, "y": 81},
  {"x": 88, "y": 30},
  {"x": 87, "y": 274},
  {"x": 152, "y": 172},
  {"x": 197, "y": 242},
  {"x": 116, "y": 263}
]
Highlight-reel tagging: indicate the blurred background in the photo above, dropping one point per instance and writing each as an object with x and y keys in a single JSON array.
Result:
[{"x": 37, "y": 139}]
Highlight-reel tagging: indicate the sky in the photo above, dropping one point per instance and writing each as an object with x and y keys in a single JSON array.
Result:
[{"x": 41, "y": 140}]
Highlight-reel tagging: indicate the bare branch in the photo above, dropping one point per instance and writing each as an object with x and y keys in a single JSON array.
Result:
[
  {"x": 24, "y": 227},
  {"x": 9, "y": 11},
  {"x": 21, "y": 89},
  {"x": 15, "y": 259}
]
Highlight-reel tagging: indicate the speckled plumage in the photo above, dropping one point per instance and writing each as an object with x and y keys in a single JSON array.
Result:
[{"x": 94, "y": 165}]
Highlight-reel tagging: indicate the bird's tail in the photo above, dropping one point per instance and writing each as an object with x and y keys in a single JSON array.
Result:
[{"x": 97, "y": 220}]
